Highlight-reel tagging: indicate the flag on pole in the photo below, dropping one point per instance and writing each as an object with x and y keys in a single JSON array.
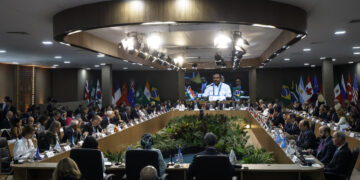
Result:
[
  {"x": 190, "y": 93},
  {"x": 355, "y": 90},
  {"x": 285, "y": 94},
  {"x": 87, "y": 93},
  {"x": 124, "y": 95},
  {"x": 155, "y": 94},
  {"x": 294, "y": 95},
  {"x": 140, "y": 96},
  {"x": 343, "y": 87},
  {"x": 349, "y": 92},
  {"x": 301, "y": 90},
  {"x": 308, "y": 89},
  {"x": 337, "y": 92},
  {"x": 116, "y": 95},
  {"x": 98, "y": 94},
  {"x": 147, "y": 91},
  {"x": 316, "y": 86},
  {"x": 132, "y": 94}
]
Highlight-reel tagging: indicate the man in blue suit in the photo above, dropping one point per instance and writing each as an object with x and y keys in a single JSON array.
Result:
[
  {"x": 340, "y": 163},
  {"x": 306, "y": 139},
  {"x": 326, "y": 148}
]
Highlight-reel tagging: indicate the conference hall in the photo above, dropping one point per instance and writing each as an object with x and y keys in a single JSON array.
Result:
[{"x": 179, "y": 89}]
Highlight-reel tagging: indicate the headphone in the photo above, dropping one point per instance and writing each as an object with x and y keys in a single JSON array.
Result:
[{"x": 147, "y": 141}]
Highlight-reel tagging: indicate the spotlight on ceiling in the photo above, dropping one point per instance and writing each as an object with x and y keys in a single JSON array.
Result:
[
  {"x": 179, "y": 60},
  {"x": 47, "y": 43},
  {"x": 341, "y": 32},
  {"x": 222, "y": 41},
  {"x": 2, "y": 51},
  {"x": 100, "y": 55},
  {"x": 263, "y": 25},
  {"x": 128, "y": 43},
  {"x": 154, "y": 42},
  {"x": 194, "y": 66}
]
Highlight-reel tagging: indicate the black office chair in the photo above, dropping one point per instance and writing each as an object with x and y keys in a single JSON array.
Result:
[
  {"x": 137, "y": 160},
  {"x": 210, "y": 167},
  {"x": 355, "y": 154},
  {"x": 5, "y": 157},
  {"x": 313, "y": 126},
  {"x": 90, "y": 164}
]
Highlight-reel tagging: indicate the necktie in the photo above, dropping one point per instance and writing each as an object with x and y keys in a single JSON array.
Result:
[{"x": 321, "y": 146}]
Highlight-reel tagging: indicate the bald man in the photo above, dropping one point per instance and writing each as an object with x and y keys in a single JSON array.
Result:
[{"x": 149, "y": 173}]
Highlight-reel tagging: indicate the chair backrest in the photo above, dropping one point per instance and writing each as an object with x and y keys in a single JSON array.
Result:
[
  {"x": 5, "y": 157},
  {"x": 355, "y": 155},
  {"x": 138, "y": 159},
  {"x": 89, "y": 162},
  {"x": 213, "y": 167},
  {"x": 313, "y": 126}
]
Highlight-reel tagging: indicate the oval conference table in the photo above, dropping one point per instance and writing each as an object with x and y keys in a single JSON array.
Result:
[{"x": 283, "y": 168}]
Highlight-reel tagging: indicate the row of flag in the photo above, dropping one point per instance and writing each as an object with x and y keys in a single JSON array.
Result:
[
  {"x": 129, "y": 96},
  {"x": 304, "y": 92}
]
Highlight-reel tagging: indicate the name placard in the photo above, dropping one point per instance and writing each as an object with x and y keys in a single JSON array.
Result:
[
  {"x": 67, "y": 148},
  {"x": 49, "y": 154}
]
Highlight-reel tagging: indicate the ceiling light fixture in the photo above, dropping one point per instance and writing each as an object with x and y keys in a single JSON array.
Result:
[
  {"x": 179, "y": 60},
  {"x": 286, "y": 59},
  {"x": 2, "y": 51},
  {"x": 96, "y": 66},
  {"x": 100, "y": 55},
  {"x": 333, "y": 59},
  {"x": 356, "y": 53},
  {"x": 263, "y": 25},
  {"x": 125, "y": 68},
  {"x": 356, "y": 47},
  {"x": 306, "y": 49},
  {"x": 88, "y": 69},
  {"x": 66, "y": 44},
  {"x": 322, "y": 58},
  {"x": 222, "y": 41},
  {"x": 66, "y": 62},
  {"x": 341, "y": 32},
  {"x": 74, "y": 32},
  {"x": 103, "y": 64},
  {"x": 128, "y": 43},
  {"x": 55, "y": 65},
  {"x": 47, "y": 43},
  {"x": 57, "y": 57},
  {"x": 15, "y": 63},
  {"x": 158, "y": 23},
  {"x": 313, "y": 65},
  {"x": 154, "y": 42},
  {"x": 306, "y": 64},
  {"x": 350, "y": 62}
]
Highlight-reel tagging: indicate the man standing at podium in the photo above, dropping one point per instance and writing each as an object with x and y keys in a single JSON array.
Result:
[{"x": 217, "y": 91}]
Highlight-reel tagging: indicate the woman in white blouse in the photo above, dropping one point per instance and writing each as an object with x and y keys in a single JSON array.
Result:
[
  {"x": 25, "y": 148},
  {"x": 342, "y": 118}
]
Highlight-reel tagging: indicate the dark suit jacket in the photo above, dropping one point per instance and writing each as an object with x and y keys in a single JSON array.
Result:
[
  {"x": 325, "y": 153},
  {"x": 195, "y": 168},
  {"x": 5, "y": 123},
  {"x": 48, "y": 123},
  {"x": 125, "y": 117},
  {"x": 105, "y": 122},
  {"x": 306, "y": 140},
  {"x": 90, "y": 129},
  {"x": 69, "y": 132},
  {"x": 340, "y": 163},
  {"x": 292, "y": 128},
  {"x": 134, "y": 114},
  {"x": 278, "y": 120},
  {"x": 356, "y": 127},
  {"x": 192, "y": 106}
]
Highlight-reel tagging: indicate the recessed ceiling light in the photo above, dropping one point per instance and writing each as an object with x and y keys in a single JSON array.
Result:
[
  {"x": 47, "y": 43},
  {"x": 263, "y": 25},
  {"x": 158, "y": 23},
  {"x": 303, "y": 37},
  {"x": 322, "y": 58},
  {"x": 333, "y": 59},
  {"x": 96, "y": 66},
  {"x": 15, "y": 63},
  {"x": 306, "y": 49},
  {"x": 350, "y": 62},
  {"x": 100, "y": 55},
  {"x": 169, "y": 69},
  {"x": 306, "y": 64},
  {"x": 356, "y": 47},
  {"x": 125, "y": 60},
  {"x": 55, "y": 65},
  {"x": 57, "y": 57},
  {"x": 261, "y": 66},
  {"x": 286, "y": 59},
  {"x": 356, "y": 53},
  {"x": 342, "y": 32},
  {"x": 140, "y": 64},
  {"x": 103, "y": 64},
  {"x": 88, "y": 68},
  {"x": 66, "y": 44},
  {"x": 313, "y": 65},
  {"x": 133, "y": 63},
  {"x": 151, "y": 67},
  {"x": 125, "y": 68},
  {"x": 66, "y": 62},
  {"x": 2, "y": 51}
]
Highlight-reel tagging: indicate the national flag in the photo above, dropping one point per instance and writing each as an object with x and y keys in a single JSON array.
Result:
[
  {"x": 147, "y": 91},
  {"x": 355, "y": 90},
  {"x": 37, "y": 155},
  {"x": 190, "y": 93},
  {"x": 98, "y": 94},
  {"x": 132, "y": 94},
  {"x": 116, "y": 95},
  {"x": 308, "y": 89},
  {"x": 236, "y": 93},
  {"x": 316, "y": 86},
  {"x": 140, "y": 96},
  {"x": 337, "y": 92},
  {"x": 301, "y": 91},
  {"x": 87, "y": 93},
  {"x": 343, "y": 87},
  {"x": 294, "y": 95},
  {"x": 285, "y": 94},
  {"x": 124, "y": 94},
  {"x": 155, "y": 94},
  {"x": 349, "y": 92}
]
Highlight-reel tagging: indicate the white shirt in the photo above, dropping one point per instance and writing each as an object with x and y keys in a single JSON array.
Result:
[
  {"x": 180, "y": 106},
  {"x": 24, "y": 148},
  {"x": 342, "y": 121},
  {"x": 213, "y": 90}
]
